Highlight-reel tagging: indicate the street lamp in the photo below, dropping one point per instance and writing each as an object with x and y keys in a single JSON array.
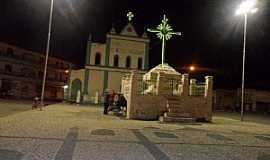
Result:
[
  {"x": 192, "y": 68},
  {"x": 245, "y": 8},
  {"x": 47, "y": 55}
]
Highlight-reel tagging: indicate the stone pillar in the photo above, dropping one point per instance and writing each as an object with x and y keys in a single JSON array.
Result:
[
  {"x": 185, "y": 85},
  {"x": 160, "y": 83},
  {"x": 96, "y": 98},
  {"x": 209, "y": 97},
  {"x": 133, "y": 93},
  {"x": 78, "y": 98},
  {"x": 209, "y": 87},
  {"x": 192, "y": 88}
]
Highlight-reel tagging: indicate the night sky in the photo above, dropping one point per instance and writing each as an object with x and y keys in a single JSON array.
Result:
[{"x": 212, "y": 34}]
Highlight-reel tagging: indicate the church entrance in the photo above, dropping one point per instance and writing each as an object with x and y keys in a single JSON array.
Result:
[{"x": 75, "y": 87}]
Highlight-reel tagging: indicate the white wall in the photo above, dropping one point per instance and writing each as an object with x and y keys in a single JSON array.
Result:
[
  {"x": 115, "y": 81},
  {"x": 96, "y": 81},
  {"x": 124, "y": 48}
]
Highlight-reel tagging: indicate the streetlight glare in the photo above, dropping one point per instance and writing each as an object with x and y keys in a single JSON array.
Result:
[
  {"x": 254, "y": 10},
  {"x": 191, "y": 68},
  {"x": 247, "y": 6}
]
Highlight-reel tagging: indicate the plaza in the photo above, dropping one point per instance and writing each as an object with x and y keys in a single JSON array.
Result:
[{"x": 69, "y": 132}]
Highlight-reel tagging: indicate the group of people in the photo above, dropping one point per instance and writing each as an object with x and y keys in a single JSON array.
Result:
[{"x": 114, "y": 101}]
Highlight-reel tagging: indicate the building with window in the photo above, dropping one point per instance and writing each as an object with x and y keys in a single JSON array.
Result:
[
  {"x": 230, "y": 100},
  {"x": 21, "y": 74},
  {"x": 106, "y": 64}
]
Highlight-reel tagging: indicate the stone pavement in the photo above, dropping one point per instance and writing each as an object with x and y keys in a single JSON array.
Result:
[{"x": 65, "y": 132}]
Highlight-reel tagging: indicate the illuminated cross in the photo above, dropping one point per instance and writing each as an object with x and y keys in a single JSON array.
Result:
[
  {"x": 164, "y": 32},
  {"x": 130, "y": 16}
]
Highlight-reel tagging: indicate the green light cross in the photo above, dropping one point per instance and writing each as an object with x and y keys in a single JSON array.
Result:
[
  {"x": 164, "y": 32},
  {"x": 130, "y": 16}
]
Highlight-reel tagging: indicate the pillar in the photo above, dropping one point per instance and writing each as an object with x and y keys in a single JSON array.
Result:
[
  {"x": 133, "y": 84},
  {"x": 209, "y": 97},
  {"x": 209, "y": 87},
  {"x": 185, "y": 85},
  {"x": 192, "y": 89}
]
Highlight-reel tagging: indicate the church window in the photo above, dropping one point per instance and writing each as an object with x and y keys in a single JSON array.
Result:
[
  {"x": 128, "y": 62},
  {"x": 97, "y": 59},
  {"x": 140, "y": 63},
  {"x": 116, "y": 61}
]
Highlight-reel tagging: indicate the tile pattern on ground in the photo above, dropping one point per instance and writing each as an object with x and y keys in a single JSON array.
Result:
[
  {"x": 218, "y": 137},
  {"x": 10, "y": 155},
  {"x": 103, "y": 132},
  {"x": 165, "y": 135}
]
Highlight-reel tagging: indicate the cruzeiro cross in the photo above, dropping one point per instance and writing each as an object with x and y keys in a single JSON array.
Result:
[
  {"x": 164, "y": 32},
  {"x": 130, "y": 16}
]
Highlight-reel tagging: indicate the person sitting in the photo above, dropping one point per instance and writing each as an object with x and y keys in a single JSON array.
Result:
[{"x": 122, "y": 103}]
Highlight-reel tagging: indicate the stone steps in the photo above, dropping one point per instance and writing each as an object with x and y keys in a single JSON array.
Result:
[
  {"x": 169, "y": 114},
  {"x": 174, "y": 106},
  {"x": 177, "y": 119},
  {"x": 176, "y": 110}
]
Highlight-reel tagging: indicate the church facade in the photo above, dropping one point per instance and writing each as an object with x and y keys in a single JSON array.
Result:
[{"x": 106, "y": 64}]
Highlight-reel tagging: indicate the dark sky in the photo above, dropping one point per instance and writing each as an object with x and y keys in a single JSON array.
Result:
[{"x": 212, "y": 34}]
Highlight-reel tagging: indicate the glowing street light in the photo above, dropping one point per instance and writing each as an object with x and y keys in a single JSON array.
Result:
[
  {"x": 164, "y": 32},
  {"x": 47, "y": 55},
  {"x": 245, "y": 8},
  {"x": 192, "y": 68}
]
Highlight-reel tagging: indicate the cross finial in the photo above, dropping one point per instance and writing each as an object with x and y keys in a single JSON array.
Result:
[{"x": 130, "y": 16}]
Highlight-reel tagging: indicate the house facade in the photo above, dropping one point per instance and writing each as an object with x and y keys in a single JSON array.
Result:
[{"x": 21, "y": 74}]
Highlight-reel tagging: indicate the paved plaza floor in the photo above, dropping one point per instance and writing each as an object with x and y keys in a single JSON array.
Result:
[{"x": 69, "y": 132}]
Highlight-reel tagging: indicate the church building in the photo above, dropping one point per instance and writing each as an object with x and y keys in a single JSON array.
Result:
[{"x": 106, "y": 64}]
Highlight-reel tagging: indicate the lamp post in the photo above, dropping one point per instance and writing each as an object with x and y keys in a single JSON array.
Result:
[
  {"x": 47, "y": 55},
  {"x": 245, "y": 8}
]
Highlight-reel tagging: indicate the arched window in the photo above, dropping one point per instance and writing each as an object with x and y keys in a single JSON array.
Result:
[
  {"x": 10, "y": 52},
  {"x": 140, "y": 61},
  {"x": 97, "y": 59},
  {"x": 128, "y": 62},
  {"x": 116, "y": 61}
]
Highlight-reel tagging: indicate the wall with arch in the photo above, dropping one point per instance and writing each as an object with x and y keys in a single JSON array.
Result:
[
  {"x": 97, "y": 48},
  {"x": 76, "y": 75}
]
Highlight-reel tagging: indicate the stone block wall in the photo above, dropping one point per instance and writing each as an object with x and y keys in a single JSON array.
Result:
[{"x": 148, "y": 107}]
